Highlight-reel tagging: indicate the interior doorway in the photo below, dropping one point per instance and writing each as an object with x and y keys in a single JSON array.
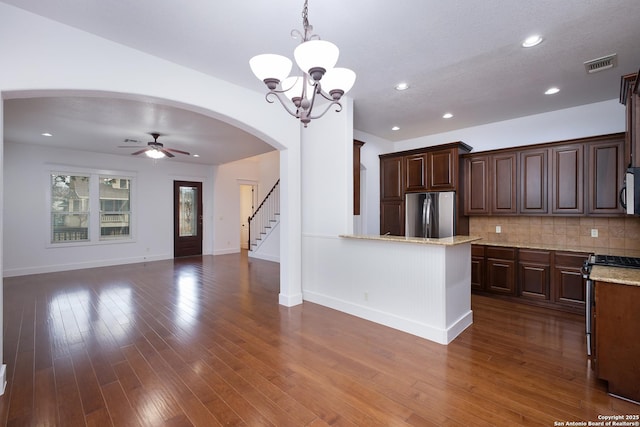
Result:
[
  {"x": 248, "y": 203},
  {"x": 187, "y": 218}
]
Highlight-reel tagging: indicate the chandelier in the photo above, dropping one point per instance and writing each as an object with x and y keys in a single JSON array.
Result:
[{"x": 316, "y": 59}]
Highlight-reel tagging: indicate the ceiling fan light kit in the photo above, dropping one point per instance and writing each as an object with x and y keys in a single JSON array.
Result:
[
  {"x": 316, "y": 59},
  {"x": 155, "y": 149}
]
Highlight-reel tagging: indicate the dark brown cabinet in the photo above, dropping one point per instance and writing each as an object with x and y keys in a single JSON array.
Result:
[
  {"x": 501, "y": 270},
  {"x": 476, "y": 194},
  {"x": 415, "y": 172},
  {"x": 503, "y": 183},
  {"x": 630, "y": 97},
  {"x": 534, "y": 171},
  {"x": 391, "y": 172},
  {"x": 569, "y": 286},
  {"x": 605, "y": 176},
  {"x": 578, "y": 177},
  {"x": 534, "y": 274},
  {"x": 567, "y": 179},
  {"x": 442, "y": 167},
  {"x": 392, "y": 195},
  {"x": 425, "y": 169},
  {"x": 477, "y": 267},
  {"x": 616, "y": 338}
]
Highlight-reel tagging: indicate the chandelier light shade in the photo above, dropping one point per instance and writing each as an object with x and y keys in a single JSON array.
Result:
[{"x": 316, "y": 60}]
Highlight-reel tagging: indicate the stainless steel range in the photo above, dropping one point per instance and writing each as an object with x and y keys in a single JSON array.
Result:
[{"x": 607, "y": 261}]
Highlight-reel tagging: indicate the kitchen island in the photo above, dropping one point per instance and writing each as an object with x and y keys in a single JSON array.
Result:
[{"x": 421, "y": 286}]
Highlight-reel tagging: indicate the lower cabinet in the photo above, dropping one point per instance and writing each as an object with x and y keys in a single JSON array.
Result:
[
  {"x": 541, "y": 277},
  {"x": 616, "y": 338},
  {"x": 501, "y": 270},
  {"x": 534, "y": 272},
  {"x": 567, "y": 277}
]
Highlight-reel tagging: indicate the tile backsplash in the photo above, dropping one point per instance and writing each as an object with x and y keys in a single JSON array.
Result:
[{"x": 616, "y": 236}]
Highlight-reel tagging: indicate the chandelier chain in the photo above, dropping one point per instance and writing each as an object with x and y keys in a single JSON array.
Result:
[{"x": 305, "y": 14}]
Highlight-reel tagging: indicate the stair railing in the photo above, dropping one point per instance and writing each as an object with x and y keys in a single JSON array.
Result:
[{"x": 265, "y": 216}]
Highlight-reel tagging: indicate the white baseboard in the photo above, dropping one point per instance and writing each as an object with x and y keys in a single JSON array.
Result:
[
  {"x": 290, "y": 300},
  {"x": 3, "y": 379},
  {"x": 265, "y": 257},
  {"x": 422, "y": 330},
  {"x": 13, "y": 272}
]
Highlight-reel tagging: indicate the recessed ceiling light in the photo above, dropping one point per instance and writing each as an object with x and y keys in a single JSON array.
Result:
[
  {"x": 402, "y": 86},
  {"x": 532, "y": 41},
  {"x": 447, "y": 116},
  {"x": 552, "y": 91},
  {"x": 46, "y": 134},
  {"x": 196, "y": 155},
  {"x": 395, "y": 128}
]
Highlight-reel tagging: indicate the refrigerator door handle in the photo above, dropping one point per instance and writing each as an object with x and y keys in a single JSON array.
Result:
[{"x": 426, "y": 214}]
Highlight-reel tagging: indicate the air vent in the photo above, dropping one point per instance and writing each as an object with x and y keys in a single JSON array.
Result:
[{"x": 601, "y": 64}]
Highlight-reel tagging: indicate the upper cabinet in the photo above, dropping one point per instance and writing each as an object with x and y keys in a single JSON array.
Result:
[
  {"x": 567, "y": 179},
  {"x": 434, "y": 168},
  {"x": 630, "y": 97},
  {"x": 578, "y": 177}
]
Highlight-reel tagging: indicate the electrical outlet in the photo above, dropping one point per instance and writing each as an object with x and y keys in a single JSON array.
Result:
[
  {"x": 594, "y": 232},
  {"x": 498, "y": 229}
]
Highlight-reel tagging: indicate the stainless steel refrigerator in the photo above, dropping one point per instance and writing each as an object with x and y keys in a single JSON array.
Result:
[{"x": 430, "y": 214}]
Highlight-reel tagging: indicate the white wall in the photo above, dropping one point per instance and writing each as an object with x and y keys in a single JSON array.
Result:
[
  {"x": 26, "y": 209},
  {"x": 586, "y": 120},
  {"x": 227, "y": 179}
]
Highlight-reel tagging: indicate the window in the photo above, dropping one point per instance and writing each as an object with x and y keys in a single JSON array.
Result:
[
  {"x": 69, "y": 208},
  {"x": 115, "y": 211},
  {"x": 90, "y": 207}
]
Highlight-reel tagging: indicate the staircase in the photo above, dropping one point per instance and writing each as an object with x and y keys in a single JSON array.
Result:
[{"x": 265, "y": 218}]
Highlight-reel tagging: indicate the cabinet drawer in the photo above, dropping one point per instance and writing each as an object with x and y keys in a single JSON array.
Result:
[
  {"x": 477, "y": 250},
  {"x": 537, "y": 256},
  {"x": 500, "y": 253},
  {"x": 570, "y": 259}
]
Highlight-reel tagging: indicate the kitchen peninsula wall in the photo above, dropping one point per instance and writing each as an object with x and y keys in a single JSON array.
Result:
[{"x": 616, "y": 236}]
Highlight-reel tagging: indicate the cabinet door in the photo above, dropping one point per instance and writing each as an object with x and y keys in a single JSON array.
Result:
[
  {"x": 568, "y": 284},
  {"x": 534, "y": 171},
  {"x": 605, "y": 176},
  {"x": 391, "y": 178},
  {"x": 442, "y": 170},
  {"x": 416, "y": 172},
  {"x": 477, "y": 267},
  {"x": 567, "y": 179},
  {"x": 501, "y": 270},
  {"x": 503, "y": 184},
  {"x": 534, "y": 274},
  {"x": 392, "y": 218},
  {"x": 476, "y": 188}
]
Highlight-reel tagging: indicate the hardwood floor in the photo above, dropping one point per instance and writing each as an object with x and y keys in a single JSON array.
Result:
[{"x": 202, "y": 341}]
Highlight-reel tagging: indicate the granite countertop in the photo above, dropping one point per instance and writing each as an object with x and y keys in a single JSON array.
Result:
[
  {"x": 623, "y": 276},
  {"x": 446, "y": 241}
]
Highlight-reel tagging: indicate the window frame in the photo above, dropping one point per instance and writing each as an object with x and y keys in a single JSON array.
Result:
[{"x": 93, "y": 232}]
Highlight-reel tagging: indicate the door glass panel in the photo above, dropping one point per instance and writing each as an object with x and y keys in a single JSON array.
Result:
[{"x": 188, "y": 212}]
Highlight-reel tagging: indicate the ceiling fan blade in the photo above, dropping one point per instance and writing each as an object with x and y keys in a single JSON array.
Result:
[
  {"x": 141, "y": 151},
  {"x": 178, "y": 151},
  {"x": 166, "y": 153}
]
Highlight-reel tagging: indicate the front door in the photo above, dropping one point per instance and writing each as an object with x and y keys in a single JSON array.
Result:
[{"x": 187, "y": 218}]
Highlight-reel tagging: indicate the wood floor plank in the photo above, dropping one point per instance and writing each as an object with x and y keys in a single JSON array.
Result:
[{"x": 203, "y": 341}]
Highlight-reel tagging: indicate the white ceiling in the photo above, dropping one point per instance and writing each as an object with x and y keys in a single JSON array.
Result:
[{"x": 458, "y": 56}]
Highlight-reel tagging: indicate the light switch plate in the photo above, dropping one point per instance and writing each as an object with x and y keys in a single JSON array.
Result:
[
  {"x": 498, "y": 229},
  {"x": 594, "y": 232}
]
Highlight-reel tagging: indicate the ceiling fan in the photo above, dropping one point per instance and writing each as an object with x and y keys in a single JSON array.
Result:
[{"x": 155, "y": 149}]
